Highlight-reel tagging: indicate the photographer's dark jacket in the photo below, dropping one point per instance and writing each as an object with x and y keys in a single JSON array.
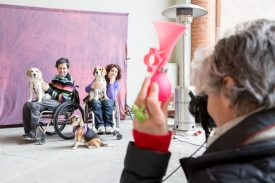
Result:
[{"x": 229, "y": 159}]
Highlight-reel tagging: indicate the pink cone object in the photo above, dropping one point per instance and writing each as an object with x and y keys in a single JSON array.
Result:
[{"x": 168, "y": 34}]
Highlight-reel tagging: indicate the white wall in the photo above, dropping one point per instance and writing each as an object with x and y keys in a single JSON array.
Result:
[
  {"x": 234, "y": 12},
  {"x": 141, "y": 32}
]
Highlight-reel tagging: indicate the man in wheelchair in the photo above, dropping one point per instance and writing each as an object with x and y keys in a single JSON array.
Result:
[
  {"x": 60, "y": 90},
  {"x": 103, "y": 109}
]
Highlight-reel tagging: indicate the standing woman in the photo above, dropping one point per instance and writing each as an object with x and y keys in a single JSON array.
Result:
[{"x": 103, "y": 110}]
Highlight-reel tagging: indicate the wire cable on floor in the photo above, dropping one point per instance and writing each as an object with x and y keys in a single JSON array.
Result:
[
  {"x": 187, "y": 142},
  {"x": 180, "y": 165}
]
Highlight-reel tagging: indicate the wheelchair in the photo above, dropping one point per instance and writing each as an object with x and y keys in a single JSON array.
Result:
[
  {"x": 89, "y": 118},
  {"x": 58, "y": 120}
]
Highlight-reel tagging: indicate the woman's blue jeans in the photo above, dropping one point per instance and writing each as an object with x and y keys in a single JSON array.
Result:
[{"x": 103, "y": 111}]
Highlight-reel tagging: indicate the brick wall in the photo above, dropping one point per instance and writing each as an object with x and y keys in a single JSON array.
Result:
[{"x": 203, "y": 28}]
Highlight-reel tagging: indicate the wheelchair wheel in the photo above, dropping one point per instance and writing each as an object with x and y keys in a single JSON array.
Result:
[
  {"x": 86, "y": 114},
  {"x": 50, "y": 133},
  {"x": 41, "y": 141},
  {"x": 62, "y": 117},
  {"x": 119, "y": 136},
  {"x": 117, "y": 116}
]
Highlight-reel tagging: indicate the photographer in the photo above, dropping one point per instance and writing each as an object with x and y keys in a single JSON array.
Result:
[{"x": 239, "y": 80}]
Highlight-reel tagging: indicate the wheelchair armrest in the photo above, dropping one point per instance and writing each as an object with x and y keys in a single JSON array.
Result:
[{"x": 85, "y": 98}]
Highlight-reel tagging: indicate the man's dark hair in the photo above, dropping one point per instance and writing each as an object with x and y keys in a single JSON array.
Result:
[{"x": 62, "y": 61}]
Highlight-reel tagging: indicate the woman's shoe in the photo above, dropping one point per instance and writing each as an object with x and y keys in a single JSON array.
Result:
[
  {"x": 101, "y": 129},
  {"x": 109, "y": 130}
]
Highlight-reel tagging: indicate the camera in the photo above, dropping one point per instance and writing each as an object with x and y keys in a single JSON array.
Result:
[{"x": 198, "y": 109}]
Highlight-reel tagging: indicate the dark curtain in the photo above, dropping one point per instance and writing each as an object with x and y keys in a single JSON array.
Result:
[{"x": 37, "y": 37}]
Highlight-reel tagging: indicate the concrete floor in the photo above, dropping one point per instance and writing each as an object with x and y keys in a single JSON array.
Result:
[{"x": 28, "y": 162}]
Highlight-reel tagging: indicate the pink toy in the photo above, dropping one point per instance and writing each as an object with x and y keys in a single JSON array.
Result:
[
  {"x": 168, "y": 34},
  {"x": 197, "y": 133}
]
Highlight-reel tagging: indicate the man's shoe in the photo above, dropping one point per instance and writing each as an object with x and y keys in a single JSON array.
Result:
[
  {"x": 101, "y": 129},
  {"x": 27, "y": 137},
  {"x": 109, "y": 130}
]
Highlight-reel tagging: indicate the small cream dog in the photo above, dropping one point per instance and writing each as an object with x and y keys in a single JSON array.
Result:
[
  {"x": 85, "y": 134},
  {"x": 36, "y": 80},
  {"x": 100, "y": 93}
]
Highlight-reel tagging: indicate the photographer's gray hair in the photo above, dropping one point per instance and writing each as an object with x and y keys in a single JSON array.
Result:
[{"x": 248, "y": 56}]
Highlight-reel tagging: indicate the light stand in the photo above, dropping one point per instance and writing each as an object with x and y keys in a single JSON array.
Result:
[{"x": 184, "y": 14}]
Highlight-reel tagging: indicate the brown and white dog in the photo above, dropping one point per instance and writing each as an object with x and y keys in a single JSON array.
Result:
[
  {"x": 85, "y": 134},
  {"x": 36, "y": 80},
  {"x": 100, "y": 93}
]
